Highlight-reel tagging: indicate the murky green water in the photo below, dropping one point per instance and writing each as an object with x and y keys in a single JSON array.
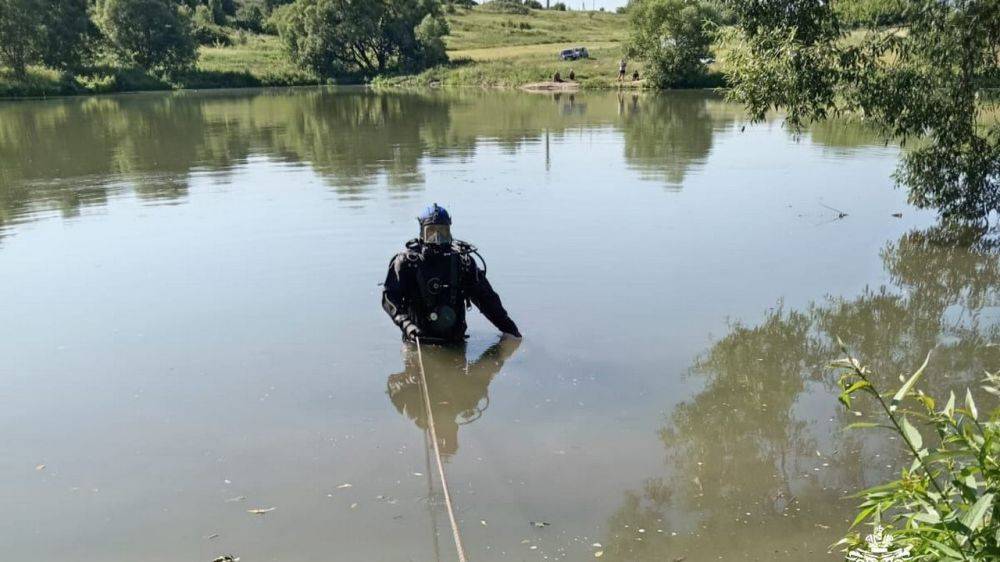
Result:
[{"x": 191, "y": 326}]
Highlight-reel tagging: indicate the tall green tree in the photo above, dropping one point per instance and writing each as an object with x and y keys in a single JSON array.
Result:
[
  {"x": 334, "y": 37},
  {"x": 49, "y": 32},
  {"x": 925, "y": 80},
  {"x": 151, "y": 34},
  {"x": 674, "y": 37}
]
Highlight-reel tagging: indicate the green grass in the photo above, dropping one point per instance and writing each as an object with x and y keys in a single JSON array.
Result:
[
  {"x": 478, "y": 29},
  {"x": 599, "y": 71},
  {"x": 253, "y": 58},
  {"x": 487, "y": 49},
  {"x": 504, "y": 50}
]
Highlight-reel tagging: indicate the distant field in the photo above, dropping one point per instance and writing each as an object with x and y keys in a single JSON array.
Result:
[
  {"x": 487, "y": 49},
  {"x": 477, "y": 29},
  {"x": 526, "y": 51},
  {"x": 504, "y": 50}
]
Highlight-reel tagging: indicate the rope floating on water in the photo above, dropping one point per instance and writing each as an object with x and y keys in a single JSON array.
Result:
[{"x": 437, "y": 456}]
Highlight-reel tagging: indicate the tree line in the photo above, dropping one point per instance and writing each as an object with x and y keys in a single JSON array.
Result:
[
  {"x": 923, "y": 73},
  {"x": 330, "y": 38}
]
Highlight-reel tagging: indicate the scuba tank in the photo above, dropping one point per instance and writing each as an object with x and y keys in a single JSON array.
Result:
[{"x": 440, "y": 309}]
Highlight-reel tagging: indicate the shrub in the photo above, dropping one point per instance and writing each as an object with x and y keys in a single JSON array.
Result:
[
  {"x": 506, "y": 7},
  {"x": 559, "y": 6},
  {"x": 337, "y": 37},
  {"x": 205, "y": 31},
  {"x": 534, "y": 4},
  {"x": 944, "y": 504},
  {"x": 42, "y": 32},
  {"x": 673, "y": 36},
  {"x": 251, "y": 16},
  {"x": 430, "y": 35},
  {"x": 151, "y": 34}
]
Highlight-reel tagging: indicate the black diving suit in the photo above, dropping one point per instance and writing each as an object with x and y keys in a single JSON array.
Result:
[{"x": 429, "y": 287}]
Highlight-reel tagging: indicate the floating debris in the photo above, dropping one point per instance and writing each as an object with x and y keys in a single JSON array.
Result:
[
  {"x": 212, "y": 536},
  {"x": 354, "y": 505},
  {"x": 40, "y": 467},
  {"x": 599, "y": 554},
  {"x": 596, "y": 545},
  {"x": 227, "y": 558},
  {"x": 418, "y": 473},
  {"x": 261, "y": 511},
  {"x": 236, "y": 499},
  {"x": 482, "y": 522},
  {"x": 539, "y": 524},
  {"x": 344, "y": 485}
]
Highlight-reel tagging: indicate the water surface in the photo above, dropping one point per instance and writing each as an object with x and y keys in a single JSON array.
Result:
[{"x": 192, "y": 326}]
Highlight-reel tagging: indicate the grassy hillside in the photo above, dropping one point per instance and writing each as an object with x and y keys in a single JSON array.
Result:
[
  {"x": 478, "y": 29},
  {"x": 486, "y": 48},
  {"x": 505, "y": 50}
]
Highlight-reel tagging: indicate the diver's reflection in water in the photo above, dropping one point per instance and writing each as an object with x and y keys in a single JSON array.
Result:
[{"x": 458, "y": 388}]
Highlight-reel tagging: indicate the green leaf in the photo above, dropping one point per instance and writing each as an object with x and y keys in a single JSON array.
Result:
[
  {"x": 908, "y": 385},
  {"x": 970, "y": 405},
  {"x": 863, "y": 515},
  {"x": 912, "y": 435},
  {"x": 973, "y": 518},
  {"x": 947, "y": 549},
  {"x": 863, "y": 425},
  {"x": 859, "y": 385}
]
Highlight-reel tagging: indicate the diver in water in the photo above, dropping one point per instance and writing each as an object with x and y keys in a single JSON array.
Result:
[
  {"x": 431, "y": 283},
  {"x": 460, "y": 388}
]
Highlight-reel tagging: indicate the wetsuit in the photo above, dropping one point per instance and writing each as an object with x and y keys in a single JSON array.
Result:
[{"x": 428, "y": 288}]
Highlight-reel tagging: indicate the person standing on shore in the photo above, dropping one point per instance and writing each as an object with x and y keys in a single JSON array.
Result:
[{"x": 622, "y": 67}]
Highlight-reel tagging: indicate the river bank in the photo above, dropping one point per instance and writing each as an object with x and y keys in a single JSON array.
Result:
[{"x": 489, "y": 50}]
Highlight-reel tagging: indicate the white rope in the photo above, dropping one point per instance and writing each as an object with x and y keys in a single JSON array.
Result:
[{"x": 437, "y": 456}]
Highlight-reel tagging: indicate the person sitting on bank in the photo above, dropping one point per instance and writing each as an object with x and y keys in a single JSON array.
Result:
[
  {"x": 635, "y": 75},
  {"x": 430, "y": 284},
  {"x": 572, "y": 75},
  {"x": 557, "y": 78}
]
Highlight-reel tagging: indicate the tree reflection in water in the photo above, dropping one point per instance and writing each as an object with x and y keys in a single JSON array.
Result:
[
  {"x": 758, "y": 464},
  {"x": 65, "y": 155}
]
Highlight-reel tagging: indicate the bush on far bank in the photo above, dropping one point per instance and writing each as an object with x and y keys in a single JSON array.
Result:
[{"x": 150, "y": 34}]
